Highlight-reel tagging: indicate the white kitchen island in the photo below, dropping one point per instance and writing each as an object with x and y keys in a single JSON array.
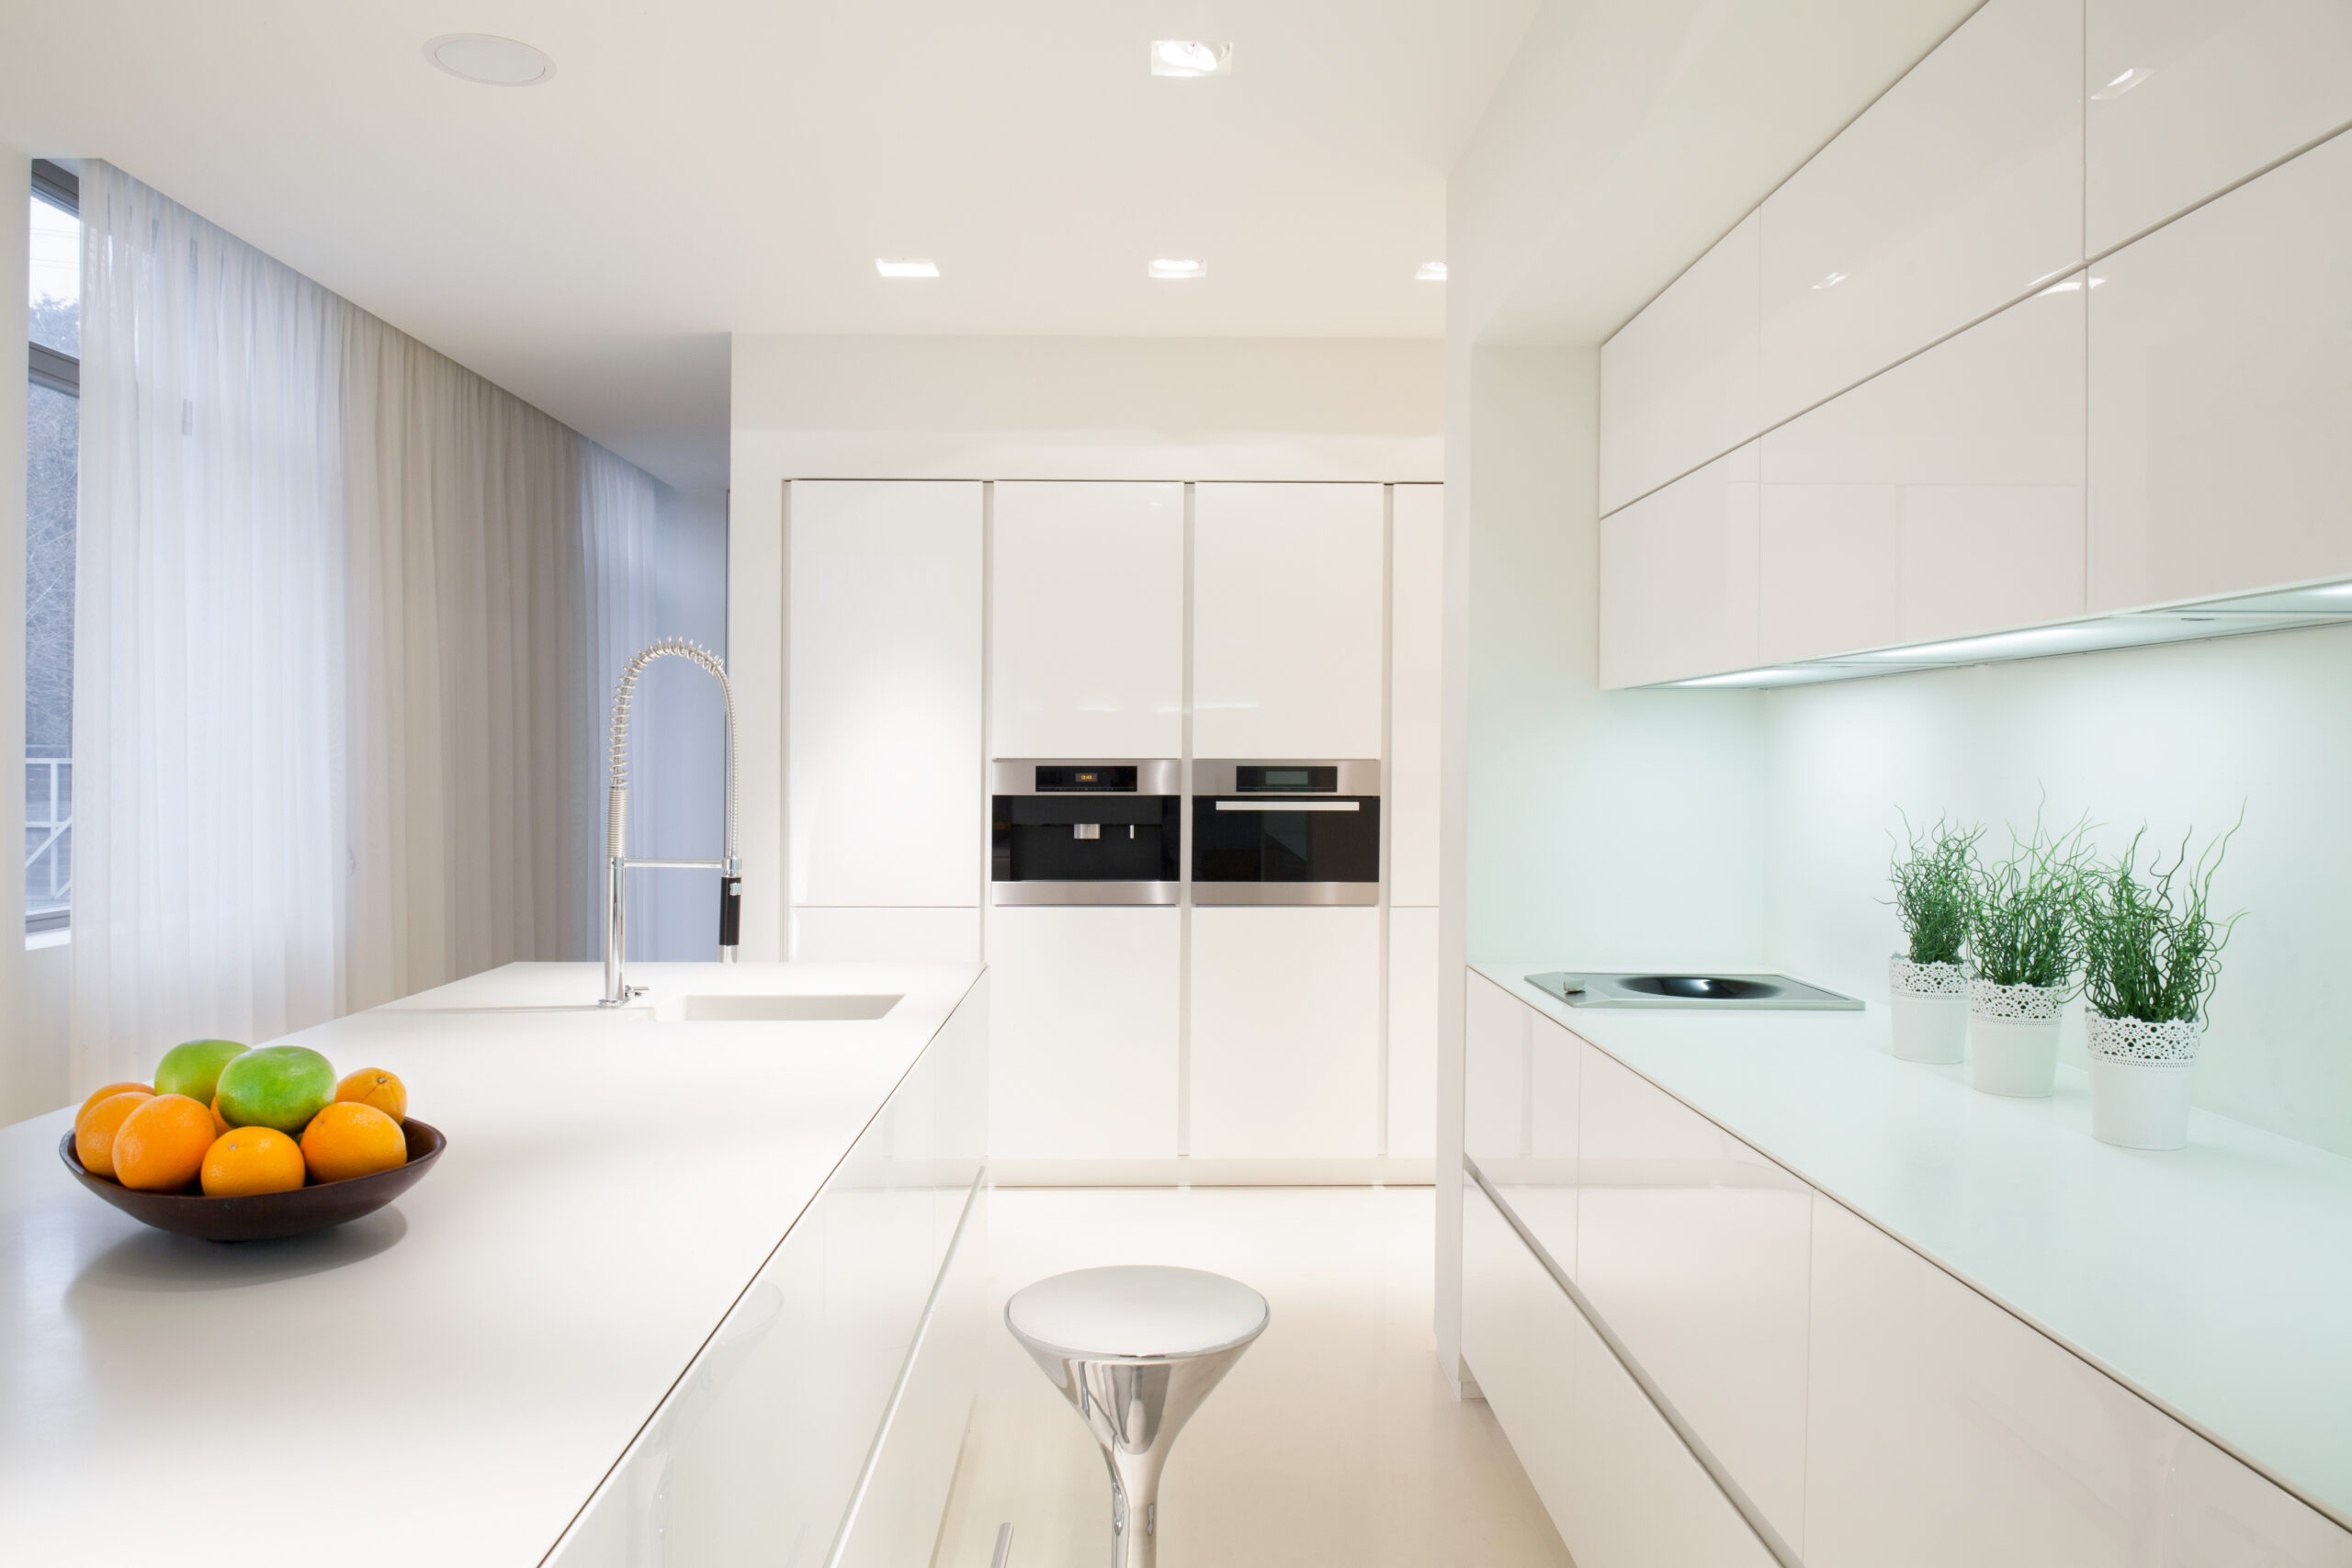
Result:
[{"x": 661, "y": 1300}]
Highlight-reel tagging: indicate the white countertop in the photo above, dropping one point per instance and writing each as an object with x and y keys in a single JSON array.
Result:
[
  {"x": 2216, "y": 1280},
  {"x": 447, "y": 1379}
]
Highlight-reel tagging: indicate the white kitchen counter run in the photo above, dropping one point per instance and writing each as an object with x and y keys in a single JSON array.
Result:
[
  {"x": 2215, "y": 1280},
  {"x": 447, "y": 1379}
]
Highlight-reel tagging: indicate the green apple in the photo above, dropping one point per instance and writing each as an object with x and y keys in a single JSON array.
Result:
[
  {"x": 194, "y": 1069},
  {"x": 277, "y": 1086}
]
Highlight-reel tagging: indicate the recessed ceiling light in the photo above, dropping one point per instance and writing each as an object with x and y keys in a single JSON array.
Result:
[
  {"x": 908, "y": 267},
  {"x": 1177, "y": 269},
  {"x": 1190, "y": 57},
  {"x": 1430, "y": 272},
  {"x": 493, "y": 62}
]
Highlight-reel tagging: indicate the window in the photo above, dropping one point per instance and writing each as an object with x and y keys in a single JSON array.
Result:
[{"x": 51, "y": 478}]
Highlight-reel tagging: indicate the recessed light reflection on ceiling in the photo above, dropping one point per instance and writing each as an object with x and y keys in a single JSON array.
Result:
[
  {"x": 2071, "y": 285},
  {"x": 1832, "y": 281},
  {"x": 489, "y": 60},
  {"x": 1190, "y": 57},
  {"x": 1430, "y": 272},
  {"x": 910, "y": 267},
  {"x": 1174, "y": 270}
]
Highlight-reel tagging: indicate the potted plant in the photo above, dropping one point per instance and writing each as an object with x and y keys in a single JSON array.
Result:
[
  {"x": 2025, "y": 935},
  {"x": 2152, "y": 953},
  {"x": 1927, "y": 984}
]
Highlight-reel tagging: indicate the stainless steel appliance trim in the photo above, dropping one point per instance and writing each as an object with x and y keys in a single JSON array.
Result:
[
  {"x": 1018, "y": 775},
  {"x": 1327, "y": 893},
  {"x": 1128, "y": 893},
  {"x": 1252, "y": 803},
  {"x": 1217, "y": 775}
]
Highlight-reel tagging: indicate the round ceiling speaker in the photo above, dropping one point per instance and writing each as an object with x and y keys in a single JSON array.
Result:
[{"x": 491, "y": 61}]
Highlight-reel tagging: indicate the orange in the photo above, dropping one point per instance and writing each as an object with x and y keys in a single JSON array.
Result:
[
  {"x": 346, "y": 1140},
  {"x": 108, "y": 1093},
  {"x": 245, "y": 1161},
  {"x": 373, "y": 1085},
  {"x": 93, "y": 1139},
  {"x": 219, "y": 1122},
  {"x": 160, "y": 1146}
]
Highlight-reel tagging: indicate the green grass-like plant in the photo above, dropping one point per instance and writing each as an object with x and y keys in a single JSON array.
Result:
[
  {"x": 2152, "y": 946},
  {"x": 1932, "y": 883},
  {"x": 2024, "y": 913}
]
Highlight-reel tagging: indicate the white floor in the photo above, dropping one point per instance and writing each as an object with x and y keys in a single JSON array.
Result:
[{"x": 1334, "y": 1441}]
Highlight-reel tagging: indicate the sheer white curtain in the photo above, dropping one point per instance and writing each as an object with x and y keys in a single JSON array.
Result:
[
  {"x": 208, "y": 639},
  {"x": 617, "y": 526},
  {"x": 347, "y": 616}
]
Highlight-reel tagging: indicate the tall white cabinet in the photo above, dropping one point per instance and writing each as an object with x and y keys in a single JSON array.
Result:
[
  {"x": 1086, "y": 660},
  {"x": 1416, "y": 698},
  {"x": 883, "y": 809}
]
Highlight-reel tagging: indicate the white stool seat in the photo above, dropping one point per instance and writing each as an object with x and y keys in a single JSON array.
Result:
[
  {"x": 1135, "y": 1313},
  {"x": 1134, "y": 1349}
]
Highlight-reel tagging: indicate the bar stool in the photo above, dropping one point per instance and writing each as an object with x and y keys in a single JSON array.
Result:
[{"x": 1136, "y": 1350}]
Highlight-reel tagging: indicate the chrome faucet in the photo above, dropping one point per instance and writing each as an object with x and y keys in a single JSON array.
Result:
[{"x": 616, "y": 860}]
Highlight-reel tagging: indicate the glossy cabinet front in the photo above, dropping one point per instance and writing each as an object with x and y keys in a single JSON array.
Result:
[
  {"x": 2220, "y": 393},
  {"x": 1874, "y": 1408},
  {"x": 1086, "y": 620},
  {"x": 883, "y": 743},
  {"x": 1945, "y": 1433},
  {"x": 1959, "y": 191},
  {"x": 810, "y": 1385},
  {"x": 2186, "y": 98},
  {"x": 1086, "y": 1001},
  {"x": 1941, "y": 498},
  {"x": 1677, "y": 382},
  {"x": 1618, "y": 1482},
  {"x": 1678, "y": 587},
  {"x": 1285, "y": 1032},
  {"x": 1287, "y": 620}
]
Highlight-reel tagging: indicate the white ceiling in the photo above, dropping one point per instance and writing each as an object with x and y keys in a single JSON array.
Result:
[{"x": 706, "y": 167}]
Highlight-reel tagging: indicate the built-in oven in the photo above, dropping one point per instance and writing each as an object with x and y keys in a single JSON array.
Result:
[
  {"x": 1285, "y": 832},
  {"x": 1064, "y": 831}
]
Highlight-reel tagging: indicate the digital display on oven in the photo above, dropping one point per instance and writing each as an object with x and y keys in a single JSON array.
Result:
[{"x": 1300, "y": 779}]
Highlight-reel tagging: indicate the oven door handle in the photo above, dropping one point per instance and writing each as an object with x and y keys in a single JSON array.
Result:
[{"x": 1290, "y": 805}]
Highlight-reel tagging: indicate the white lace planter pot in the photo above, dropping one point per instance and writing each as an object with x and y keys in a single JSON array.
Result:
[
  {"x": 2013, "y": 1038},
  {"x": 1929, "y": 1003},
  {"x": 2140, "y": 1079}
]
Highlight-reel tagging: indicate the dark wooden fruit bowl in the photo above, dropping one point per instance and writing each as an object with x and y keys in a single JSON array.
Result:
[{"x": 267, "y": 1215}]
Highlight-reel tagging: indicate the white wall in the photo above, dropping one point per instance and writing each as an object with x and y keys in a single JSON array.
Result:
[
  {"x": 1027, "y": 408},
  {"x": 674, "y": 914},
  {"x": 2179, "y": 738}
]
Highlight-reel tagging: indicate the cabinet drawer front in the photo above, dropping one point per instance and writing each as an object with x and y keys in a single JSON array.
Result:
[{"x": 1620, "y": 1486}]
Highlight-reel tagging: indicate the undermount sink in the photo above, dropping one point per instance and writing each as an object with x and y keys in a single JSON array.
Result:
[
  {"x": 775, "y": 1009},
  {"x": 1702, "y": 991}
]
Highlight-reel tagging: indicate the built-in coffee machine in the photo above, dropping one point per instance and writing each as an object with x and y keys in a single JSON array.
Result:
[
  {"x": 1073, "y": 832},
  {"x": 1285, "y": 832}
]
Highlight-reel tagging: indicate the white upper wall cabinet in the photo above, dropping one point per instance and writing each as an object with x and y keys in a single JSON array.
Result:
[
  {"x": 2220, "y": 393},
  {"x": 883, "y": 693},
  {"x": 1957, "y": 192},
  {"x": 1942, "y": 497},
  {"x": 1287, "y": 620},
  {"x": 1087, "y": 624},
  {"x": 2187, "y": 95},
  {"x": 1677, "y": 382},
  {"x": 1416, "y": 687},
  {"x": 1677, "y": 576}
]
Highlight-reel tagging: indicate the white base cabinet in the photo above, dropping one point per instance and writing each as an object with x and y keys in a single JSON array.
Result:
[
  {"x": 1871, "y": 1408},
  {"x": 826, "y": 1413},
  {"x": 1285, "y": 1019},
  {"x": 1085, "y": 1058},
  {"x": 1620, "y": 1486}
]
